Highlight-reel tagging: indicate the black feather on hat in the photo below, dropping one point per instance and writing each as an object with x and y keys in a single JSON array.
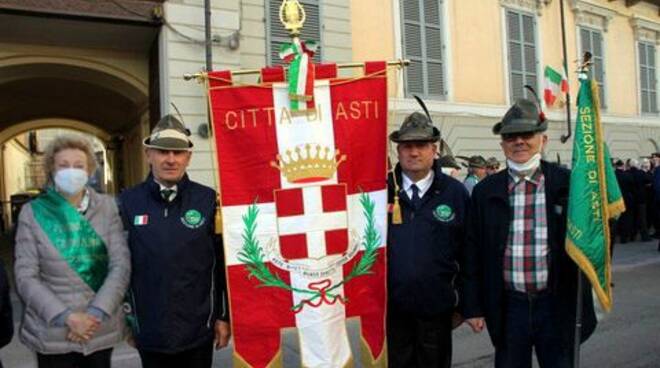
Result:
[
  {"x": 169, "y": 134},
  {"x": 525, "y": 116},
  {"x": 417, "y": 127}
]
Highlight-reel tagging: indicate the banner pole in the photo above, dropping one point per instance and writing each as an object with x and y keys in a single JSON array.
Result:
[
  {"x": 568, "y": 134},
  {"x": 202, "y": 76},
  {"x": 578, "y": 321}
]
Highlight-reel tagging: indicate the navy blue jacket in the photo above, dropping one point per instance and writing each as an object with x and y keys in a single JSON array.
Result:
[
  {"x": 656, "y": 183},
  {"x": 177, "y": 284},
  {"x": 421, "y": 252},
  {"x": 486, "y": 239}
]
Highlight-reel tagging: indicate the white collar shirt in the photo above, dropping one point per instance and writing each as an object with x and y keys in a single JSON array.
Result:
[{"x": 423, "y": 185}]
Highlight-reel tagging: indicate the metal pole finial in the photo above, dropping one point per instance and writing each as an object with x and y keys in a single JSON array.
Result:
[{"x": 292, "y": 16}]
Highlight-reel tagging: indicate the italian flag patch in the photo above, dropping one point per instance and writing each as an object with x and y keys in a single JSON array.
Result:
[{"x": 141, "y": 220}]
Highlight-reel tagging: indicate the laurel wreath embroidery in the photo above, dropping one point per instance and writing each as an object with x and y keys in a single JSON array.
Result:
[{"x": 252, "y": 256}]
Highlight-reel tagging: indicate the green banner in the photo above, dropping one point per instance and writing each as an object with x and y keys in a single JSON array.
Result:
[
  {"x": 594, "y": 197},
  {"x": 73, "y": 237}
]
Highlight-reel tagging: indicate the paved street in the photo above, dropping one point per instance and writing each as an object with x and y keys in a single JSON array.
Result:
[{"x": 627, "y": 337}]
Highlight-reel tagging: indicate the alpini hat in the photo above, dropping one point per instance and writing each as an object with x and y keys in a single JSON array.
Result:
[
  {"x": 169, "y": 134},
  {"x": 417, "y": 127},
  {"x": 523, "y": 117},
  {"x": 476, "y": 161},
  {"x": 448, "y": 161},
  {"x": 492, "y": 162}
]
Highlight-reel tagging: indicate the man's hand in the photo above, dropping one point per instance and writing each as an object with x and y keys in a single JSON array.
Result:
[
  {"x": 82, "y": 326},
  {"x": 222, "y": 334},
  {"x": 477, "y": 324}
]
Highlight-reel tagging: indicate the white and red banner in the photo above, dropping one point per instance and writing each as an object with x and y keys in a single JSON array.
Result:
[{"x": 304, "y": 207}]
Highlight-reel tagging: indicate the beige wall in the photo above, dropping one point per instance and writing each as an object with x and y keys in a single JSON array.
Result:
[
  {"x": 476, "y": 32},
  {"x": 476, "y": 59}
]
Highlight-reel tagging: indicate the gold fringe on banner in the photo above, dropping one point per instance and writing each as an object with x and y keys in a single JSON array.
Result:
[{"x": 218, "y": 217}]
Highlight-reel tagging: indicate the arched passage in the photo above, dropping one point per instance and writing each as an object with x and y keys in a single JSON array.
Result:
[{"x": 38, "y": 92}]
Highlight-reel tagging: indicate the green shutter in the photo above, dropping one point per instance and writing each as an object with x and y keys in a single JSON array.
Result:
[
  {"x": 277, "y": 35},
  {"x": 647, "y": 70},
  {"x": 521, "y": 49},
  {"x": 592, "y": 41},
  {"x": 423, "y": 46}
]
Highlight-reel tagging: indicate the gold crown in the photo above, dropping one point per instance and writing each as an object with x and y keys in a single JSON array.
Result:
[{"x": 308, "y": 163}]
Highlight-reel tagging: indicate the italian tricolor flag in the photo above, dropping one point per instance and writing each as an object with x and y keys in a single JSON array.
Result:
[{"x": 555, "y": 83}]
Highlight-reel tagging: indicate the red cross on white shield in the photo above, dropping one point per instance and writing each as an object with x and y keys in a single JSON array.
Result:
[{"x": 312, "y": 221}]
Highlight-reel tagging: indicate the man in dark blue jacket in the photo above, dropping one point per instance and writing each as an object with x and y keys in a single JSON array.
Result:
[
  {"x": 518, "y": 277},
  {"x": 424, "y": 235},
  {"x": 177, "y": 285}
]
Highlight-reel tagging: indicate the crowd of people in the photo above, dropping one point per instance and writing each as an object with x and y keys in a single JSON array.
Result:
[
  {"x": 489, "y": 252},
  {"x": 639, "y": 182}
]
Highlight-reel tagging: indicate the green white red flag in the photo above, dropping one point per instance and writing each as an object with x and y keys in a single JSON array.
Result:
[
  {"x": 555, "y": 85},
  {"x": 304, "y": 208}
]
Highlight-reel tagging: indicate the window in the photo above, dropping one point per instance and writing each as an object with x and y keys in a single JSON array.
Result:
[
  {"x": 592, "y": 41},
  {"x": 276, "y": 35},
  {"x": 521, "y": 44},
  {"x": 423, "y": 46},
  {"x": 648, "y": 90}
]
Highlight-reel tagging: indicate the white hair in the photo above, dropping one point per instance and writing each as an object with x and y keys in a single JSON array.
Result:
[{"x": 633, "y": 163}]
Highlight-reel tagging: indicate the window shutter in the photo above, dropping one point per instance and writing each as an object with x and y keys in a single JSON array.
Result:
[
  {"x": 433, "y": 32},
  {"x": 647, "y": 85},
  {"x": 278, "y": 35},
  {"x": 653, "y": 87},
  {"x": 521, "y": 34},
  {"x": 643, "y": 78},
  {"x": 592, "y": 41},
  {"x": 422, "y": 39}
]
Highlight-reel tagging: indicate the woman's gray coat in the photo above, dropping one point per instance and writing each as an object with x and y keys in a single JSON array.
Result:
[{"x": 48, "y": 286}]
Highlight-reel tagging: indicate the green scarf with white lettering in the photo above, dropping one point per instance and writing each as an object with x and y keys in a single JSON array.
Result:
[{"x": 73, "y": 237}]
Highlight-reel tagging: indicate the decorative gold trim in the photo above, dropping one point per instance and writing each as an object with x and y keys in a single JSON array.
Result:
[
  {"x": 239, "y": 361},
  {"x": 367, "y": 359}
]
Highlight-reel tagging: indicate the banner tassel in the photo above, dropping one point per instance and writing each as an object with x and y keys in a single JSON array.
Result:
[{"x": 396, "y": 211}]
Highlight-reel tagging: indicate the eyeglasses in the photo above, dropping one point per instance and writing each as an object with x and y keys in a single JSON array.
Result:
[{"x": 514, "y": 136}]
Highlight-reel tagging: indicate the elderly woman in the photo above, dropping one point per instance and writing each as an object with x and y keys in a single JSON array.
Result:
[{"x": 72, "y": 264}]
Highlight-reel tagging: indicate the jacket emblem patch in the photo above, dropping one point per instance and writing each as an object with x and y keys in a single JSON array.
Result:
[
  {"x": 444, "y": 213},
  {"x": 193, "y": 219}
]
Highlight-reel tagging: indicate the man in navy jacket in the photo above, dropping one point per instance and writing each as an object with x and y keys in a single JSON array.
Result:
[
  {"x": 177, "y": 285},
  {"x": 422, "y": 249}
]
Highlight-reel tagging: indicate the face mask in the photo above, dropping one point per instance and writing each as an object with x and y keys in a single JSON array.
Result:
[
  {"x": 525, "y": 168},
  {"x": 70, "y": 181}
]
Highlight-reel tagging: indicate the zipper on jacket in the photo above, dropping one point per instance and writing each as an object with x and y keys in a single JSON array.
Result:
[
  {"x": 135, "y": 315},
  {"x": 453, "y": 280},
  {"x": 208, "y": 322}
]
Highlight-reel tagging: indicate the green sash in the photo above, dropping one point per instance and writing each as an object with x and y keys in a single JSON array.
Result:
[{"x": 73, "y": 237}]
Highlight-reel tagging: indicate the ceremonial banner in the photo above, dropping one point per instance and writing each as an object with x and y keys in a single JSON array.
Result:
[
  {"x": 594, "y": 197},
  {"x": 304, "y": 210}
]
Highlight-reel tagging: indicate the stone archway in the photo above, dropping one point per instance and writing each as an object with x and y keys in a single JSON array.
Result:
[
  {"x": 83, "y": 94},
  {"x": 649, "y": 146}
]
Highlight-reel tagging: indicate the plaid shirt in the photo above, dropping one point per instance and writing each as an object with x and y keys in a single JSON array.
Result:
[{"x": 526, "y": 254}]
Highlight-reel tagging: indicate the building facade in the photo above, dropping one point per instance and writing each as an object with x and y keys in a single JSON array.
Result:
[
  {"x": 471, "y": 59},
  {"x": 112, "y": 68}
]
